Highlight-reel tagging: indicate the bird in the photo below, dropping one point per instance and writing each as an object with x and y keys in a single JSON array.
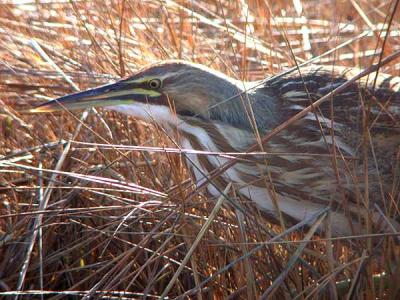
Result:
[{"x": 343, "y": 154}]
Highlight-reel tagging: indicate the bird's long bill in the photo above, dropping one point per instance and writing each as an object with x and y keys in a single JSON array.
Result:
[{"x": 121, "y": 92}]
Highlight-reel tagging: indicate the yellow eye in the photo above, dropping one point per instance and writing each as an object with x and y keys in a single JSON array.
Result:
[{"x": 154, "y": 83}]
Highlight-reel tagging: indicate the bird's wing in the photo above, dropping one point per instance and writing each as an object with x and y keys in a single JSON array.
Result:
[
  {"x": 377, "y": 94},
  {"x": 335, "y": 128}
]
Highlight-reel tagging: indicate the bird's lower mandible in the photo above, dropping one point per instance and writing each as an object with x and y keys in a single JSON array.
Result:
[{"x": 295, "y": 144}]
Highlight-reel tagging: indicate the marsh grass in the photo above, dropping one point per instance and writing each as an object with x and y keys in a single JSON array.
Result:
[{"x": 82, "y": 217}]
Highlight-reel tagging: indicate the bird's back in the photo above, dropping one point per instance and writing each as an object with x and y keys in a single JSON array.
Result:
[
  {"x": 377, "y": 94},
  {"x": 344, "y": 153}
]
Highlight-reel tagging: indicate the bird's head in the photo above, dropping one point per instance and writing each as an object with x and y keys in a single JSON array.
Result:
[{"x": 157, "y": 91}]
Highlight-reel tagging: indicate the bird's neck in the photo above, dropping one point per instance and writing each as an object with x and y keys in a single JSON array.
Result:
[
  {"x": 244, "y": 106},
  {"x": 247, "y": 105}
]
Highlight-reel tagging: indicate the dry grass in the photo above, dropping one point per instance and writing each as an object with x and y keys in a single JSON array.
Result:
[{"x": 68, "y": 231}]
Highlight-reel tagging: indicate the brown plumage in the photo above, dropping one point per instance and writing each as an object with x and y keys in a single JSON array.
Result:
[{"x": 344, "y": 154}]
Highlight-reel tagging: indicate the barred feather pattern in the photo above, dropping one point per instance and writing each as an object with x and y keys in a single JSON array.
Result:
[{"x": 318, "y": 161}]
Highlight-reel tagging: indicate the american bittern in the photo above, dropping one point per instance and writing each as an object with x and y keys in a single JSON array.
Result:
[{"x": 343, "y": 154}]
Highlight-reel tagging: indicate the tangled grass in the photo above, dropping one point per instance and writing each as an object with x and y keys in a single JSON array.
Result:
[{"x": 82, "y": 217}]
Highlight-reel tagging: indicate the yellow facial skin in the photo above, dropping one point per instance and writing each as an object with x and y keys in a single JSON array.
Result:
[{"x": 119, "y": 93}]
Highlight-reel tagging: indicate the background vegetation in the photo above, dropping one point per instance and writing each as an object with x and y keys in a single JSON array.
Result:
[{"x": 81, "y": 216}]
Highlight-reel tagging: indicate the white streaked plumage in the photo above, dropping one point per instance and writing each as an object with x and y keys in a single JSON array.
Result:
[{"x": 323, "y": 159}]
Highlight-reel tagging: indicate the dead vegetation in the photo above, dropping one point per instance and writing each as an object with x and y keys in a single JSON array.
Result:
[{"x": 82, "y": 217}]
